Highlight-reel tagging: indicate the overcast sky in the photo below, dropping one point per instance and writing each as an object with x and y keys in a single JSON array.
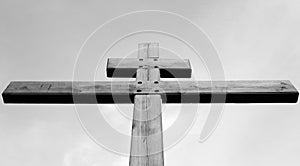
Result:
[{"x": 40, "y": 40}]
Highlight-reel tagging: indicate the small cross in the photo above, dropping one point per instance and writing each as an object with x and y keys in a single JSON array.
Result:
[{"x": 148, "y": 93}]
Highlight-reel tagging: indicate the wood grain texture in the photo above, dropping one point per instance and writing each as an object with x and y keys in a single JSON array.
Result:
[
  {"x": 169, "y": 68},
  {"x": 275, "y": 91},
  {"x": 147, "y": 139},
  {"x": 148, "y": 50},
  {"x": 69, "y": 92},
  {"x": 155, "y": 132},
  {"x": 139, "y": 133},
  {"x": 148, "y": 57}
]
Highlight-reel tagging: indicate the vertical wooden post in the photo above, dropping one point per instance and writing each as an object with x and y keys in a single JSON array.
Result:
[{"x": 147, "y": 138}]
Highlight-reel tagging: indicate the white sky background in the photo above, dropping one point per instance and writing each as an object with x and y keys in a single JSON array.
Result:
[{"x": 39, "y": 40}]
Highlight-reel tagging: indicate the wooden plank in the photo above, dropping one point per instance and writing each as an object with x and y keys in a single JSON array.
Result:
[
  {"x": 155, "y": 132},
  {"x": 138, "y": 150},
  {"x": 276, "y": 91},
  {"x": 148, "y": 50},
  {"x": 154, "y": 119},
  {"x": 69, "y": 92},
  {"x": 153, "y": 50},
  {"x": 169, "y": 68},
  {"x": 147, "y": 139},
  {"x": 143, "y": 50}
]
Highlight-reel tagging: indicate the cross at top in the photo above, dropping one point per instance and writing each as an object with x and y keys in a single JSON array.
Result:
[{"x": 147, "y": 93}]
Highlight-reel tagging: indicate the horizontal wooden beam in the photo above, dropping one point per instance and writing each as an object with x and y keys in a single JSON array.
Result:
[
  {"x": 171, "y": 91},
  {"x": 169, "y": 68},
  {"x": 68, "y": 92}
]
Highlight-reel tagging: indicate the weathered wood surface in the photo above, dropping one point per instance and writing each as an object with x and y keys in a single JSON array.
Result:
[
  {"x": 68, "y": 92},
  {"x": 147, "y": 139},
  {"x": 169, "y": 68},
  {"x": 276, "y": 91},
  {"x": 148, "y": 56},
  {"x": 139, "y": 132},
  {"x": 148, "y": 50}
]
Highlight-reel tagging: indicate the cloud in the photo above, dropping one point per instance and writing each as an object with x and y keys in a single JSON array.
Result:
[{"x": 87, "y": 154}]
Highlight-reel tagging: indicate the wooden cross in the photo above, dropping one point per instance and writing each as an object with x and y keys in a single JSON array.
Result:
[{"x": 148, "y": 93}]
